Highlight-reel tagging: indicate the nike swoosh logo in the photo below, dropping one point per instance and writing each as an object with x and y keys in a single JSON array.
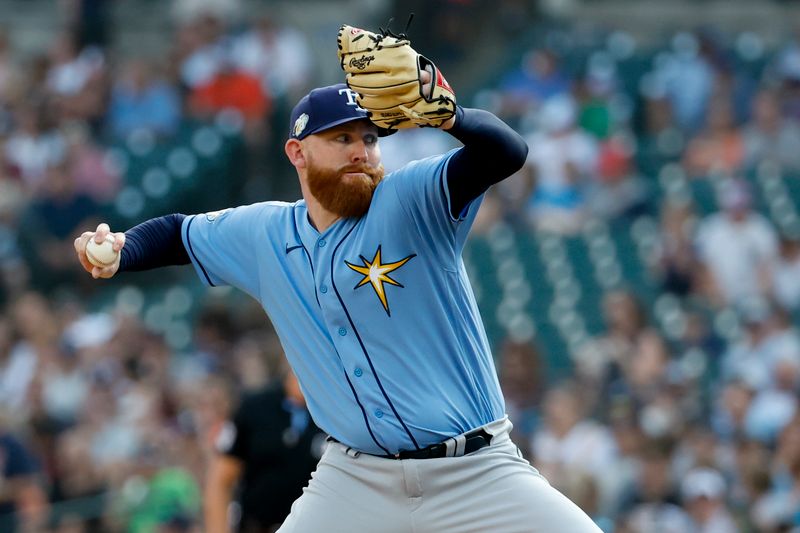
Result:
[{"x": 290, "y": 248}]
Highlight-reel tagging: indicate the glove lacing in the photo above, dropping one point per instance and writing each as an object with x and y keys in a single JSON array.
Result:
[{"x": 399, "y": 36}]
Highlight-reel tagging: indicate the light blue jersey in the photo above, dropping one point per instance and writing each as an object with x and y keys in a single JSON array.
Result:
[{"x": 376, "y": 314}]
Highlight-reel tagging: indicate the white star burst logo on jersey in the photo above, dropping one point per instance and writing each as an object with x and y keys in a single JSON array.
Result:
[{"x": 376, "y": 273}]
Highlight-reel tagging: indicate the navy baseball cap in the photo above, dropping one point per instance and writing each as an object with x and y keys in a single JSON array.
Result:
[{"x": 324, "y": 108}]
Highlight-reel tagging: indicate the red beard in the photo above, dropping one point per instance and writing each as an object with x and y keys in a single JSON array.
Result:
[{"x": 345, "y": 197}]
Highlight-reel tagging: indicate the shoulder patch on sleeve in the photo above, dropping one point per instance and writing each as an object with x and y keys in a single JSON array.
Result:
[{"x": 211, "y": 216}]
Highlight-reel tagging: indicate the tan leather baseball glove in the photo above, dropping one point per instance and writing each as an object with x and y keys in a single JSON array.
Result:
[{"x": 385, "y": 72}]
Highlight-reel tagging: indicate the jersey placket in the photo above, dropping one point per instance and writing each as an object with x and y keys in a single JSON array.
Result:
[
  {"x": 356, "y": 368},
  {"x": 383, "y": 408}
]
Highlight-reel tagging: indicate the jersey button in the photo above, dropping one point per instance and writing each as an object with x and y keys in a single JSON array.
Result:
[
  {"x": 342, "y": 332},
  {"x": 321, "y": 243},
  {"x": 323, "y": 289},
  {"x": 378, "y": 413},
  {"x": 358, "y": 372}
]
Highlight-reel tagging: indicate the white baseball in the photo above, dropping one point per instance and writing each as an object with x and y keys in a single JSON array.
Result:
[{"x": 103, "y": 254}]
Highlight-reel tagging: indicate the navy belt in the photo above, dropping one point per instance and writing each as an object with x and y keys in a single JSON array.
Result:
[{"x": 452, "y": 447}]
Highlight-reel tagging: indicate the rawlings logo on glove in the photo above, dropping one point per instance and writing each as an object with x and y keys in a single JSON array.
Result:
[
  {"x": 360, "y": 63},
  {"x": 386, "y": 73}
]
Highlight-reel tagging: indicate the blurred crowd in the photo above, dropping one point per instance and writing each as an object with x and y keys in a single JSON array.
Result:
[
  {"x": 696, "y": 428},
  {"x": 61, "y": 109},
  {"x": 104, "y": 420},
  {"x": 104, "y": 426}
]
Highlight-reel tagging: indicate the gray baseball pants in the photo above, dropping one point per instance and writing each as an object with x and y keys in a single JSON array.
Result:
[{"x": 490, "y": 490}]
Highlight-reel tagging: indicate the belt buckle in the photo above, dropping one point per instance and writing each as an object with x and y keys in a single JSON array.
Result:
[{"x": 440, "y": 449}]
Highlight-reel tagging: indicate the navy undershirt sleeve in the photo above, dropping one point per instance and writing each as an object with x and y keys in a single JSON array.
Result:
[
  {"x": 492, "y": 151},
  {"x": 154, "y": 243}
]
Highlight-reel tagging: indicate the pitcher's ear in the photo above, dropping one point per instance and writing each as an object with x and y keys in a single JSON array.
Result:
[{"x": 294, "y": 151}]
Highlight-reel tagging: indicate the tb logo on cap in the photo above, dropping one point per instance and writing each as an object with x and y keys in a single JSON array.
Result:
[{"x": 351, "y": 98}]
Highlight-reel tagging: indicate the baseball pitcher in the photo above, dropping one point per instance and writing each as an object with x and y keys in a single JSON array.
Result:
[{"x": 364, "y": 283}]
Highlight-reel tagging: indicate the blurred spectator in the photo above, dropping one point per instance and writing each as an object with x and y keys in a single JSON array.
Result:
[
  {"x": 32, "y": 336},
  {"x": 88, "y": 166},
  {"x": 687, "y": 78},
  {"x": 769, "y": 360},
  {"x": 215, "y": 333},
  {"x": 786, "y": 69},
  {"x": 784, "y": 342},
  {"x": 561, "y": 161},
  {"x": 748, "y": 358},
  {"x": 52, "y": 220},
  {"x": 771, "y": 410},
  {"x": 618, "y": 190},
  {"x": 76, "y": 474},
  {"x": 675, "y": 255},
  {"x": 629, "y": 349},
  {"x": 13, "y": 271},
  {"x": 205, "y": 405},
  {"x": 777, "y": 401},
  {"x": 200, "y": 50},
  {"x": 784, "y": 275},
  {"x": 270, "y": 447},
  {"x": 698, "y": 448},
  {"x": 35, "y": 144},
  {"x": 256, "y": 359},
  {"x": 231, "y": 88},
  {"x": 538, "y": 79},
  {"x": 697, "y": 352},
  {"x": 171, "y": 499},
  {"x": 654, "y": 483},
  {"x": 17, "y": 366},
  {"x": 276, "y": 54},
  {"x": 71, "y": 69},
  {"x": 717, "y": 148},
  {"x": 142, "y": 100},
  {"x": 76, "y": 79},
  {"x": 703, "y": 490},
  {"x": 736, "y": 247},
  {"x": 777, "y": 509},
  {"x": 22, "y": 500},
  {"x": 522, "y": 380},
  {"x": 629, "y": 441},
  {"x": 65, "y": 387},
  {"x": 731, "y": 408},
  {"x": 603, "y": 107},
  {"x": 569, "y": 441},
  {"x": 581, "y": 488},
  {"x": 113, "y": 440},
  {"x": 661, "y": 140},
  {"x": 664, "y": 414},
  {"x": 770, "y": 136},
  {"x": 10, "y": 81},
  {"x": 750, "y": 478}
]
